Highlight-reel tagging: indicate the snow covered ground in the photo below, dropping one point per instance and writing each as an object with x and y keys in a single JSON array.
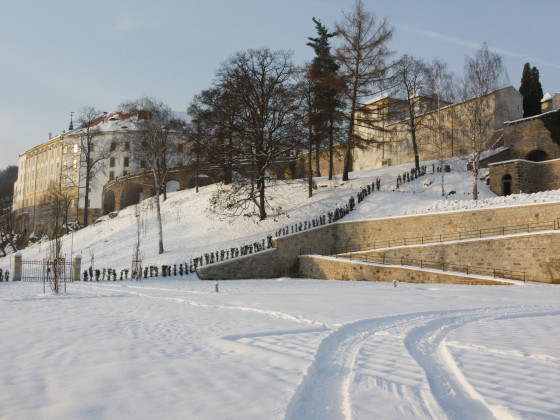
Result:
[
  {"x": 279, "y": 349},
  {"x": 283, "y": 348}
]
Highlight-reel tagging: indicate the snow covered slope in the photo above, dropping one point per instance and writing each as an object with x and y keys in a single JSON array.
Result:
[{"x": 191, "y": 230}]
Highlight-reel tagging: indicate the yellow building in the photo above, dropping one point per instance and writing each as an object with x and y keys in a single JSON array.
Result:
[{"x": 448, "y": 125}]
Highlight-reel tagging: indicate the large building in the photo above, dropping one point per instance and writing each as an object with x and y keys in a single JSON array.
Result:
[
  {"x": 57, "y": 167},
  {"x": 448, "y": 124}
]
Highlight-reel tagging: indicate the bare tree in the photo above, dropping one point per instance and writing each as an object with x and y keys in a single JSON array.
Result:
[
  {"x": 93, "y": 154},
  {"x": 154, "y": 144},
  {"x": 443, "y": 89},
  {"x": 261, "y": 84},
  {"x": 210, "y": 133},
  {"x": 483, "y": 74},
  {"x": 363, "y": 58},
  {"x": 411, "y": 77}
]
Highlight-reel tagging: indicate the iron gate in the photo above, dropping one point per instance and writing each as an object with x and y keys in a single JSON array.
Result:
[{"x": 37, "y": 271}]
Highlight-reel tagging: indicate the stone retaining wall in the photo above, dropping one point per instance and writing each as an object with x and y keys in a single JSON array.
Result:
[
  {"x": 537, "y": 254},
  {"x": 363, "y": 235},
  {"x": 328, "y": 268}
]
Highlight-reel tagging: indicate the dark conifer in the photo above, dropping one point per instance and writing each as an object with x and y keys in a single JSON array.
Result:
[{"x": 531, "y": 90}]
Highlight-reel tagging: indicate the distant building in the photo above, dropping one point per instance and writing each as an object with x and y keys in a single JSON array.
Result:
[
  {"x": 391, "y": 138},
  {"x": 55, "y": 166},
  {"x": 550, "y": 102}
]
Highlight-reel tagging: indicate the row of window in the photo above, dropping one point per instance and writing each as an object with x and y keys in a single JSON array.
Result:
[{"x": 113, "y": 161}]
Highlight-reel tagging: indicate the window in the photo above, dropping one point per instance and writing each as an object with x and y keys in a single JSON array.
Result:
[
  {"x": 91, "y": 147},
  {"x": 75, "y": 148},
  {"x": 112, "y": 162},
  {"x": 111, "y": 175},
  {"x": 113, "y": 147},
  {"x": 127, "y": 146},
  {"x": 126, "y": 161},
  {"x": 143, "y": 164},
  {"x": 180, "y": 148},
  {"x": 75, "y": 164},
  {"x": 74, "y": 178},
  {"x": 456, "y": 132},
  {"x": 125, "y": 172},
  {"x": 64, "y": 164}
]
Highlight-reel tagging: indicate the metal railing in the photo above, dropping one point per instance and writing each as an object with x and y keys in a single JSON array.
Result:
[
  {"x": 436, "y": 265},
  {"x": 442, "y": 237},
  {"x": 38, "y": 271}
]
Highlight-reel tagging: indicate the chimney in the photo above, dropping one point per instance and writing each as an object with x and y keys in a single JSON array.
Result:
[{"x": 50, "y": 136}]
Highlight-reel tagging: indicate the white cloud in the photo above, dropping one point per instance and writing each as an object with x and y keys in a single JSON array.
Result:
[{"x": 474, "y": 45}]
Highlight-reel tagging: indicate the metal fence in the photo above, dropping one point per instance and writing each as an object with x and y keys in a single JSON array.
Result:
[
  {"x": 444, "y": 237},
  {"x": 38, "y": 271}
]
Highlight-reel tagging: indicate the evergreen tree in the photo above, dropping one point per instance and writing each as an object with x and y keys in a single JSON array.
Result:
[
  {"x": 327, "y": 86},
  {"x": 531, "y": 90}
]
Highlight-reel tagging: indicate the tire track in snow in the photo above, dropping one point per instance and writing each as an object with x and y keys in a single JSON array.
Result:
[
  {"x": 264, "y": 312},
  {"x": 325, "y": 390}
]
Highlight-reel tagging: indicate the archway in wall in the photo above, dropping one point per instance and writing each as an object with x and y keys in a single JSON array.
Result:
[
  {"x": 109, "y": 202},
  {"x": 506, "y": 184},
  {"x": 172, "y": 186},
  {"x": 130, "y": 195},
  {"x": 537, "y": 156},
  {"x": 289, "y": 173},
  {"x": 203, "y": 180}
]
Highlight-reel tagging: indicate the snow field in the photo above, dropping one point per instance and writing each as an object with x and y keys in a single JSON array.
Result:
[
  {"x": 280, "y": 349},
  {"x": 283, "y": 348}
]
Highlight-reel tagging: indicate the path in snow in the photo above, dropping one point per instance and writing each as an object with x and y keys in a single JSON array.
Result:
[{"x": 400, "y": 365}]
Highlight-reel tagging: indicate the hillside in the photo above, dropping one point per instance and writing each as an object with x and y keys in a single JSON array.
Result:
[{"x": 190, "y": 229}]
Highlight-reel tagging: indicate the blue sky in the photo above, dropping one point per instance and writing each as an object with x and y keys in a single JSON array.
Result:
[{"x": 58, "y": 55}]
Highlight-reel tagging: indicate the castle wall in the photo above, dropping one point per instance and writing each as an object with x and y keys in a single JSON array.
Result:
[
  {"x": 328, "y": 268},
  {"x": 362, "y": 235},
  {"x": 536, "y": 255},
  {"x": 526, "y": 176}
]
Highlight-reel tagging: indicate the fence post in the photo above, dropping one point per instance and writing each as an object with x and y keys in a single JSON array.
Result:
[
  {"x": 17, "y": 267},
  {"x": 77, "y": 268}
]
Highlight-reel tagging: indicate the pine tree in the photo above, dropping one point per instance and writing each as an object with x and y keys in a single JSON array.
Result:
[
  {"x": 327, "y": 86},
  {"x": 531, "y": 90}
]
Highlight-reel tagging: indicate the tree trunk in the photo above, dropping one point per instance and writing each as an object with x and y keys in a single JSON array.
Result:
[
  {"x": 475, "y": 163},
  {"x": 310, "y": 164},
  {"x": 415, "y": 148},
  {"x": 158, "y": 212},
  {"x": 317, "y": 159},
  {"x": 262, "y": 210},
  {"x": 86, "y": 199},
  {"x": 331, "y": 148}
]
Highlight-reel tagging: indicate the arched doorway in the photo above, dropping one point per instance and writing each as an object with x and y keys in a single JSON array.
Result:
[
  {"x": 506, "y": 184},
  {"x": 537, "y": 156},
  {"x": 130, "y": 195},
  {"x": 172, "y": 186},
  {"x": 109, "y": 202},
  {"x": 203, "y": 180}
]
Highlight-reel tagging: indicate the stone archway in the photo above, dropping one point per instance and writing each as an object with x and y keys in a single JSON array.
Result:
[
  {"x": 506, "y": 184},
  {"x": 172, "y": 186},
  {"x": 130, "y": 195},
  {"x": 203, "y": 180},
  {"x": 537, "y": 156},
  {"x": 109, "y": 202}
]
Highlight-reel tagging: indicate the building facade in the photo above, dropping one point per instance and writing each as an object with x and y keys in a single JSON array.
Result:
[
  {"x": 56, "y": 169},
  {"x": 446, "y": 126}
]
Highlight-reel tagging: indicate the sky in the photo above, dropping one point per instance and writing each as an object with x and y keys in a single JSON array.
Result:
[{"x": 59, "y": 56}]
